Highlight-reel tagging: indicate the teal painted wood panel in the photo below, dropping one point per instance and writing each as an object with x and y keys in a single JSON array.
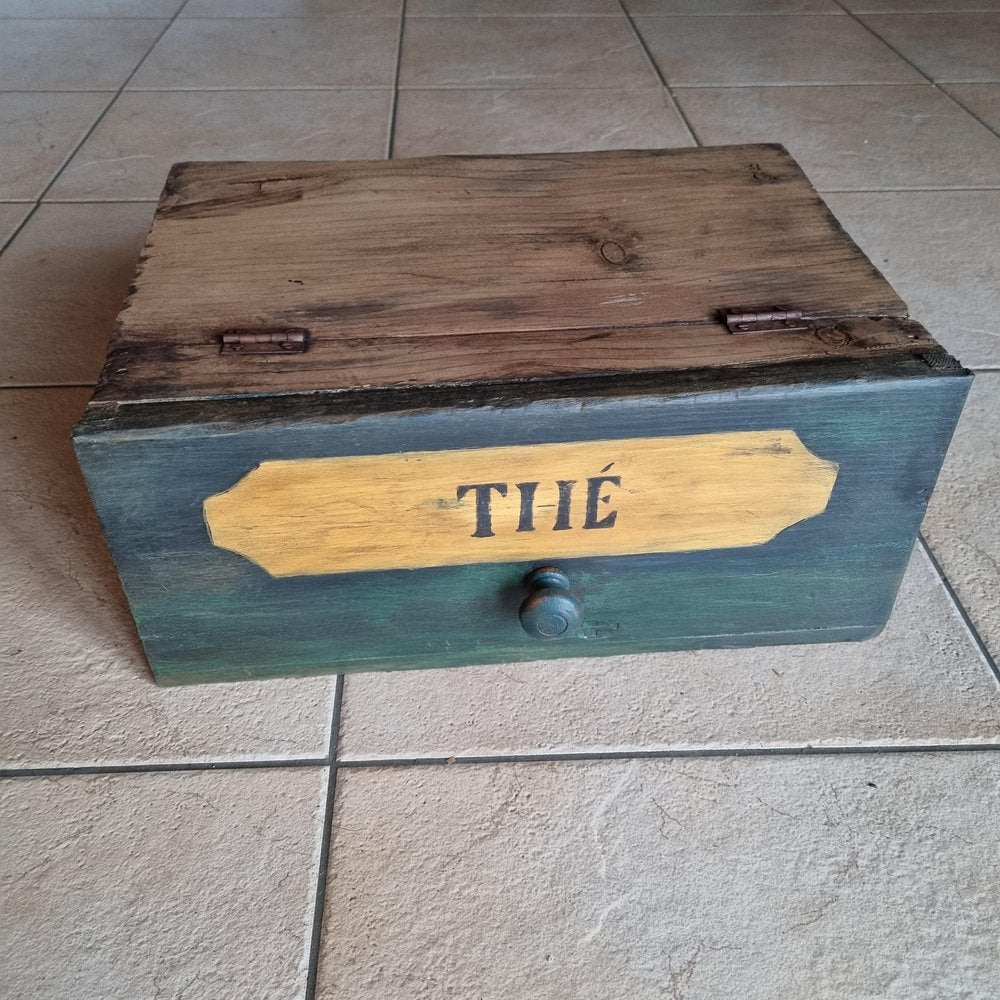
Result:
[{"x": 206, "y": 614}]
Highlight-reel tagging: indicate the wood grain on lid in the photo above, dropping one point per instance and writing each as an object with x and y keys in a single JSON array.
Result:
[{"x": 478, "y": 269}]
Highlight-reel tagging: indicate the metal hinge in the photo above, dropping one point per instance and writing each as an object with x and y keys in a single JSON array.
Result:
[
  {"x": 775, "y": 320},
  {"x": 284, "y": 340}
]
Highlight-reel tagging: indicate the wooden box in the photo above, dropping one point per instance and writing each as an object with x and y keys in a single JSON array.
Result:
[{"x": 431, "y": 412}]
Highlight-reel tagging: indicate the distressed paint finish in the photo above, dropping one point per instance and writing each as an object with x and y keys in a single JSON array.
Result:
[
  {"x": 208, "y": 614},
  {"x": 536, "y": 305},
  {"x": 683, "y": 493}
]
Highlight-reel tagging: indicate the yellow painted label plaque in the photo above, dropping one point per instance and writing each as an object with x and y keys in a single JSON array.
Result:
[{"x": 522, "y": 503}]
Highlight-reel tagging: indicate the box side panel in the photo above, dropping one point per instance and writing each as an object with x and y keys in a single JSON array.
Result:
[{"x": 206, "y": 613}]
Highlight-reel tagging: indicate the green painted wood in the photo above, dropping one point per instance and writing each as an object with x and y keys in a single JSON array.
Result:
[{"x": 206, "y": 614}]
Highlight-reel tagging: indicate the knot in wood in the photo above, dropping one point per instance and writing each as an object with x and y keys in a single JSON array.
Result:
[
  {"x": 833, "y": 336},
  {"x": 613, "y": 253}
]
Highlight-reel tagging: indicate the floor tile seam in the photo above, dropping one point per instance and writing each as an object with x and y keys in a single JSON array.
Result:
[
  {"x": 568, "y": 85},
  {"x": 93, "y": 127},
  {"x": 412, "y": 17},
  {"x": 334, "y": 762},
  {"x": 556, "y": 15},
  {"x": 937, "y": 84},
  {"x": 741, "y": 13},
  {"x": 90, "y": 18},
  {"x": 7, "y": 241},
  {"x": 325, "y": 88},
  {"x": 936, "y": 189},
  {"x": 215, "y": 17},
  {"x": 960, "y": 609},
  {"x": 390, "y": 142},
  {"x": 270, "y": 88},
  {"x": 74, "y": 90},
  {"x": 678, "y": 753},
  {"x": 165, "y": 767},
  {"x": 659, "y": 74},
  {"x": 802, "y": 84},
  {"x": 323, "y": 863},
  {"x": 957, "y": 100}
]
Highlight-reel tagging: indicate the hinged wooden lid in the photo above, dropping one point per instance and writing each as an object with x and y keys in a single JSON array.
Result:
[{"x": 264, "y": 278}]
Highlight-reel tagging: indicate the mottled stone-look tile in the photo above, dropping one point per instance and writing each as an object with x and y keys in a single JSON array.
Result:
[
  {"x": 256, "y": 53},
  {"x": 447, "y": 8},
  {"x": 959, "y": 47},
  {"x": 130, "y": 152},
  {"x": 982, "y": 99},
  {"x": 290, "y": 8},
  {"x": 37, "y": 133},
  {"x": 196, "y": 884},
  {"x": 11, "y": 217},
  {"x": 76, "y": 689},
  {"x": 522, "y": 52},
  {"x": 919, "y": 6},
  {"x": 820, "y": 877},
  {"x": 961, "y": 523},
  {"x": 667, "y": 7},
  {"x": 62, "y": 283},
  {"x": 73, "y": 54},
  {"x": 855, "y": 137},
  {"x": 534, "y": 121},
  {"x": 700, "y": 51},
  {"x": 941, "y": 251},
  {"x": 921, "y": 681},
  {"x": 89, "y": 8}
]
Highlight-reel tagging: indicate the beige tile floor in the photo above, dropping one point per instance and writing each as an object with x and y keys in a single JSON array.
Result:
[{"x": 777, "y": 823}]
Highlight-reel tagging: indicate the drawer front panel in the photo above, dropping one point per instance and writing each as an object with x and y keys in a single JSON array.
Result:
[{"x": 781, "y": 513}]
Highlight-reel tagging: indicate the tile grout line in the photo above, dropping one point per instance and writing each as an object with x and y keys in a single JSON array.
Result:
[
  {"x": 50, "y": 385},
  {"x": 659, "y": 74},
  {"x": 959, "y": 606},
  {"x": 90, "y": 131},
  {"x": 288, "y": 88},
  {"x": 819, "y": 84},
  {"x": 801, "y": 13},
  {"x": 909, "y": 62},
  {"x": 17, "y": 229},
  {"x": 967, "y": 109},
  {"x": 752, "y": 85},
  {"x": 429, "y": 17},
  {"x": 528, "y": 757},
  {"x": 680, "y": 753},
  {"x": 316, "y": 935},
  {"x": 391, "y": 138},
  {"x": 352, "y": 88},
  {"x": 70, "y": 771},
  {"x": 902, "y": 190}
]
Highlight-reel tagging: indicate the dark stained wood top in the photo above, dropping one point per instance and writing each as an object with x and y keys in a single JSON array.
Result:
[{"x": 469, "y": 270}]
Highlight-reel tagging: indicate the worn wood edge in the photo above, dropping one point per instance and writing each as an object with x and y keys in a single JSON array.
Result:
[
  {"x": 353, "y": 364},
  {"x": 183, "y": 180},
  {"x": 212, "y": 415}
]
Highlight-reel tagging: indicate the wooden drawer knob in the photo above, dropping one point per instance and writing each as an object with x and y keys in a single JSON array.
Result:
[{"x": 550, "y": 611}]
